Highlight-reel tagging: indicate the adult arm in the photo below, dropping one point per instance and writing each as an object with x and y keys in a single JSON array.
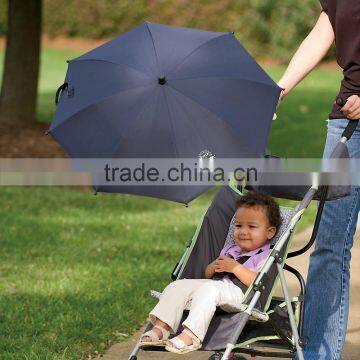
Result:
[{"x": 309, "y": 54}]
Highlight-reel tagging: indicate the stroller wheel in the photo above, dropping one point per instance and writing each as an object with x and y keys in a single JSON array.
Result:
[{"x": 216, "y": 356}]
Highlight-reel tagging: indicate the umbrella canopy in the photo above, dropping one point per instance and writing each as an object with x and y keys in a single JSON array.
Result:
[{"x": 165, "y": 92}]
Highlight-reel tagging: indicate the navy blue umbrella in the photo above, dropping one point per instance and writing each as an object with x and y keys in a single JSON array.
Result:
[{"x": 165, "y": 92}]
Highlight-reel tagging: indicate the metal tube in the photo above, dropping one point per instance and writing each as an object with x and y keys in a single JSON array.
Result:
[
  {"x": 307, "y": 198},
  {"x": 135, "y": 350},
  {"x": 179, "y": 265},
  {"x": 229, "y": 348},
  {"x": 244, "y": 318},
  {"x": 302, "y": 294},
  {"x": 323, "y": 195},
  {"x": 290, "y": 312}
]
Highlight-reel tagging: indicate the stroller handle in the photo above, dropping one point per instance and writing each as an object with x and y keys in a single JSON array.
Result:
[{"x": 351, "y": 126}]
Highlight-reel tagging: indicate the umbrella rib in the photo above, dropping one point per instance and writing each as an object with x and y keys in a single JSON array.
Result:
[
  {"x": 172, "y": 125},
  {"x": 197, "y": 48},
  {"x": 97, "y": 102},
  {"x": 113, "y": 63},
  {"x": 173, "y": 135},
  {"x": 136, "y": 119},
  {"x": 225, "y": 78},
  {"x": 188, "y": 119},
  {"x": 152, "y": 40},
  {"x": 215, "y": 115}
]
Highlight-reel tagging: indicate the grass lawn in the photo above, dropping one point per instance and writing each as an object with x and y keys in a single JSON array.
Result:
[
  {"x": 76, "y": 269},
  {"x": 300, "y": 129}
]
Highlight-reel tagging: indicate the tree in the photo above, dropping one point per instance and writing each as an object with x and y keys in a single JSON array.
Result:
[{"x": 22, "y": 60}]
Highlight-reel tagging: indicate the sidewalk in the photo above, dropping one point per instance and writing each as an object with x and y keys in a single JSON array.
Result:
[{"x": 122, "y": 350}]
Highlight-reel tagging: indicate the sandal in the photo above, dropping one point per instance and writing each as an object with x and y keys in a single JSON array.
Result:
[
  {"x": 179, "y": 346},
  {"x": 155, "y": 340}
]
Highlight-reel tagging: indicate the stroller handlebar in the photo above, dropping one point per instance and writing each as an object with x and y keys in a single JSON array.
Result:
[{"x": 351, "y": 126}]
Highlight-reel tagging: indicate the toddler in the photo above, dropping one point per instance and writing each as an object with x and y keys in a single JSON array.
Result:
[{"x": 257, "y": 219}]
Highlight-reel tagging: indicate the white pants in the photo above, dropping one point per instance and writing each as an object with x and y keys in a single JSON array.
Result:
[{"x": 205, "y": 296}]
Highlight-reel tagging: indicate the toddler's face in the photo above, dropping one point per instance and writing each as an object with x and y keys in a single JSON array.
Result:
[{"x": 252, "y": 228}]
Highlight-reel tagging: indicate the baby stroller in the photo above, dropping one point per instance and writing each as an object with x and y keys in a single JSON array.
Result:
[{"x": 266, "y": 325}]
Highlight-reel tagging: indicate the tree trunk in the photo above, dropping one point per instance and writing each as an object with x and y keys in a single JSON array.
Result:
[{"x": 22, "y": 59}]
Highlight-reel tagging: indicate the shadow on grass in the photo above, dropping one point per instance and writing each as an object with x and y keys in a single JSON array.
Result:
[{"x": 57, "y": 200}]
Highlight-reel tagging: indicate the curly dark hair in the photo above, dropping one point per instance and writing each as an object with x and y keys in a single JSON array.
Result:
[{"x": 253, "y": 198}]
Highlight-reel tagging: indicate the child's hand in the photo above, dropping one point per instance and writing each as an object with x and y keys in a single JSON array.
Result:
[{"x": 225, "y": 264}]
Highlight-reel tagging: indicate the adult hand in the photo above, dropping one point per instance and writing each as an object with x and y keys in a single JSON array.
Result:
[
  {"x": 282, "y": 94},
  {"x": 352, "y": 107},
  {"x": 225, "y": 264}
]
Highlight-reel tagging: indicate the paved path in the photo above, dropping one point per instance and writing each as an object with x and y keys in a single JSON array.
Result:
[{"x": 122, "y": 350}]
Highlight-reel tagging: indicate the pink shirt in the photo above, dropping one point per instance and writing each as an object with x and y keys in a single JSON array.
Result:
[{"x": 256, "y": 260}]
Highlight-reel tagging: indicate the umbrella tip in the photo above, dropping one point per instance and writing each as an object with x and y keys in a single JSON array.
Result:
[
  {"x": 95, "y": 192},
  {"x": 47, "y": 132},
  {"x": 162, "y": 80},
  {"x": 186, "y": 205}
]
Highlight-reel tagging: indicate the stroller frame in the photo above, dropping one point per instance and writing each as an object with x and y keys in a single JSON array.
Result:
[
  {"x": 250, "y": 302},
  {"x": 258, "y": 286}
]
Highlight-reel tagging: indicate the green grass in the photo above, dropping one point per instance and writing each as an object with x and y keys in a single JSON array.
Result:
[
  {"x": 76, "y": 269},
  {"x": 52, "y": 74},
  {"x": 300, "y": 129}
]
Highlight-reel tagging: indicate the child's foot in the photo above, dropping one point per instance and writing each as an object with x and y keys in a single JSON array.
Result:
[
  {"x": 183, "y": 343},
  {"x": 154, "y": 337},
  {"x": 182, "y": 336}
]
